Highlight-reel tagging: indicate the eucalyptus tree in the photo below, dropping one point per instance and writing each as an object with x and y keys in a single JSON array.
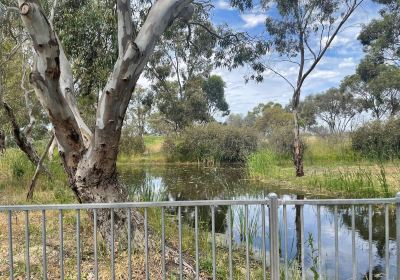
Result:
[
  {"x": 336, "y": 108},
  {"x": 381, "y": 37},
  {"x": 298, "y": 33},
  {"x": 89, "y": 156},
  {"x": 377, "y": 87},
  {"x": 181, "y": 73}
]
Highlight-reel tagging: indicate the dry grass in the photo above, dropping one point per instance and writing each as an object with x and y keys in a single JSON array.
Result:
[{"x": 70, "y": 249}]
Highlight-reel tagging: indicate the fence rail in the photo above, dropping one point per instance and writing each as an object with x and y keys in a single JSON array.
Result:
[{"x": 274, "y": 231}]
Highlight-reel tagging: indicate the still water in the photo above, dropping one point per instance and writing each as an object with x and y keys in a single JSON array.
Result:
[{"x": 174, "y": 183}]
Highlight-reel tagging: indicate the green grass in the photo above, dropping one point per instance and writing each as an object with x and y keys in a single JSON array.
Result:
[
  {"x": 16, "y": 172},
  {"x": 153, "y": 153},
  {"x": 331, "y": 168}
]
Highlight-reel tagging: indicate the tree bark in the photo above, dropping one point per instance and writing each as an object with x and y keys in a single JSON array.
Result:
[
  {"x": 297, "y": 144},
  {"x": 89, "y": 159}
]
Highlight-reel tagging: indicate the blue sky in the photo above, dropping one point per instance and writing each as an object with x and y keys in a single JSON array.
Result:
[{"x": 340, "y": 60}]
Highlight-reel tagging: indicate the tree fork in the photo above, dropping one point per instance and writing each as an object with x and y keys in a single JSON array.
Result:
[{"x": 90, "y": 159}]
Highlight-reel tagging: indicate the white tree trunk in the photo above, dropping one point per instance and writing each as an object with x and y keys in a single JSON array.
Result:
[{"x": 90, "y": 158}]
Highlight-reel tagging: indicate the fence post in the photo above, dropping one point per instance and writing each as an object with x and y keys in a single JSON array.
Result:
[
  {"x": 274, "y": 235},
  {"x": 398, "y": 233}
]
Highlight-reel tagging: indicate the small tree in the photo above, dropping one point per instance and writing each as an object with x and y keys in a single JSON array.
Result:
[{"x": 300, "y": 33}]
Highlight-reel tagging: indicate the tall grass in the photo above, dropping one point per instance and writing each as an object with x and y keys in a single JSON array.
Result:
[
  {"x": 264, "y": 163},
  {"x": 16, "y": 172},
  {"x": 331, "y": 167}
]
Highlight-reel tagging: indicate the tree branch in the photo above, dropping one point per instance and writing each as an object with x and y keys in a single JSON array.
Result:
[
  {"x": 28, "y": 104},
  {"x": 51, "y": 78},
  {"x": 115, "y": 97},
  {"x": 125, "y": 25},
  {"x": 329, "y": 41}
]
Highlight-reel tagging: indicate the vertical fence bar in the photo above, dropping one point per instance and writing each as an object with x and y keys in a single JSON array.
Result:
[
  {"x": 246, "y": 228},
  {"x": 129, "y": 243},
  {"x": 61, "y": 236},
  {"x": 78, "y": 244},
  {"x": 319, "y": 241},
  {"x": 10, "y": 246},
  {"x": 335, "y": 219},
  {"x": 274, "y": 235},
  {"x": 387, "y": 241},
  {"x": 303, "y": 266},
  {"x": 96, "y": 263},
  {"x": 146, "y": 245},
  {"x": 112, "y": 241},
  {"x": 230, "y": 242},
  {"x": 353, "y": 242},
  {"x": 180, "y": 242},
  {"x": 213, "y": 242},
  {"x": 163, "y": 242},
  {"x": 44, "y": 264},
  {"x": 285, "y": 240},
  {"x": 370, "y": 241},
  {"x": 263, "y": 241},
  {"x": 398, "y": 233},
  {"x": 196, "y": 233},
  {"x": 27, "y": 257}
]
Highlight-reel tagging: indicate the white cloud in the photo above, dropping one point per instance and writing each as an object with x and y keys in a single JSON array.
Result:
[
  {"x": 224, "y": 5},
  {"x": 252, "y": 20},
  {"x": 324, "y": 74},
  {"x": 347, "y": 62}
]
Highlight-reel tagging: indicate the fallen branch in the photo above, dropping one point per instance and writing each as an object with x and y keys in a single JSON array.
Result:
[{"x": 29, "y": 196}]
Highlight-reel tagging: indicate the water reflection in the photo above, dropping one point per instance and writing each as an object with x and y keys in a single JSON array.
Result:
[{"x": 174, "y": 183}]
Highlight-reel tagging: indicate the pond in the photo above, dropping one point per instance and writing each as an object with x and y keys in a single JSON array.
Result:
[{"x": 174, "y": 183}]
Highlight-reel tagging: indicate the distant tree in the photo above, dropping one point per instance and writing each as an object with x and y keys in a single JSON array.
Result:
[
  {"x": 273, "y": 116},
  {"x": 335, "y": 108},
  {"x": 299, "y": 32},
  {"x": 307, "y": 113},
  {"x": 235, "y": 120},
  {"x": 214, "y": 88},
  {"x": 377, "y": 89},
  {"x": 184, "y": 89},
  {"x": 138, "y": 111},
  {"x": 180, "y": 108},
  {"x": 381, "y": 37}
]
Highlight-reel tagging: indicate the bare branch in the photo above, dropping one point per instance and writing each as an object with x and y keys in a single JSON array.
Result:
[
  {"x": 329, "y": 41},
  {"x": 32, "y": 185},
  {"x": 28, "y": 104},
  {"x": 310, "y": 49},
  {"x": 280, "y": 75}
]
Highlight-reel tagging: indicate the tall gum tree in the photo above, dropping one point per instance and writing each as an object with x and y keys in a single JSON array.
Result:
[
  {"x": 298, "y": 33},
  {"x": 89, "y": 157}
]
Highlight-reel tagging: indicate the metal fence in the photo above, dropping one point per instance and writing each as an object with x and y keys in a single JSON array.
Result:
[{"x": 274, "y": 230}]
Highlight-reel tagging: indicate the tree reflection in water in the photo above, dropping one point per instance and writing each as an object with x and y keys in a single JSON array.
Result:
[{"x": 178, "y": 183}]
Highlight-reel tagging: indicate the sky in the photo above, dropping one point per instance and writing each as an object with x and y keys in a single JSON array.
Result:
[{"x": 339, "y": 61}]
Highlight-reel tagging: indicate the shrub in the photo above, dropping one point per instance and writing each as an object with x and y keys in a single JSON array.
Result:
[
  {"x": 280, "y": 141},
  {"x": 212, "y": 143},
  {"x": 132, "y": 145},
  {"x": 378, "y": 139}
]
